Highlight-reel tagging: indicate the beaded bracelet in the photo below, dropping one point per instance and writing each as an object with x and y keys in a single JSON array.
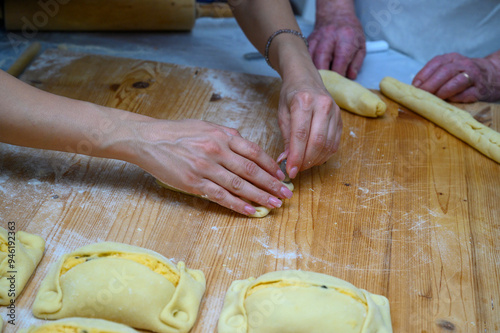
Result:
[{"x": 276, "y": 33}]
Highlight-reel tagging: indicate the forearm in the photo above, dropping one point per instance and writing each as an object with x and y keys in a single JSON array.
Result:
[
  {"x": 259, "y": 19},
  {"x": 34, "y": 118}
]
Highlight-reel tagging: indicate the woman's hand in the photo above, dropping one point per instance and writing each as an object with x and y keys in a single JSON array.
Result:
[
  {"x": 460, "y": 79},
  {"x": 309, "y": 121},
  {"x": 212, "y": 161}
]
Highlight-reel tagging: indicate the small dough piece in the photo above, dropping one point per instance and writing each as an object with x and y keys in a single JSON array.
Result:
[
  {"x": 352, "y": 96},
  {"x": 456, "y": 121},
  {"x": 122, "y": 283},
  {"x": 260, "y": 211},
  {"x": 300, "y": 301},
  {"x": 28, "y": 252},
  {"x": 79, "y": 325}
]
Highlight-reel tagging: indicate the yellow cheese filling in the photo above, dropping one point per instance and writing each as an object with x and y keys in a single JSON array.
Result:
[
  {"x": 4, "y": 247},
  {"x": 302, "y": 284},
  {"x": 152, "y": 263},
  {"x": 61, "y": 328}
]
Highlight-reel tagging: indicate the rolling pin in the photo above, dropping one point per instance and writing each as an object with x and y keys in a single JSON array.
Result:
[{"x": 31, "y": 16}]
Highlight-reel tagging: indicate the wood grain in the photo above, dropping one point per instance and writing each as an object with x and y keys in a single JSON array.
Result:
[{"x": 403, "y": 209}]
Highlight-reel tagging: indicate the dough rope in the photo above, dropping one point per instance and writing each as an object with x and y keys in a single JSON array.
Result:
[
  {"x": 456, "y": 121},
  {"x": 352, "y": 96}
]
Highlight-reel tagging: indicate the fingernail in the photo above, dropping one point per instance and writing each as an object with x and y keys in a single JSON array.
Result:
[
  {"x": 250, "y": 210},
  {"x": 417, "y": 83},
  {"x": 285, "y": 191},
  {"x": 276, "y": 203},
  {"x": 281, "y": 157},
  {"x": 293, "y": 172},
  {"x": 281, "y": 175}
]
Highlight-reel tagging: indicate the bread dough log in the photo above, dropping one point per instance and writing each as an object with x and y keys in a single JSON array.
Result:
[
  {"x": 80, "y": 325},
  {"x": 260, "y": 211},
  {"x": 352, "y": 96},
  {"x": 456, "y": 121},
  {"x": 300, "y": 301},
  {"x": 27, "y": 253},
  {"x": 24, "y": 60},
  {"x": 122, "y": 283}
]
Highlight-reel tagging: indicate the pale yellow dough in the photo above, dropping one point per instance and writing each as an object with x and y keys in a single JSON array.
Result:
[
  {"x": 260, "y": 211},
  {"x": 456, "y": 121},
  {"x": 352, "y": 96},
  {"x": 122, "y": 283},
  {"x": 79, "y": 325},
  {"x": 28, "y": 253},
  {"x": 299, "y": 302}
]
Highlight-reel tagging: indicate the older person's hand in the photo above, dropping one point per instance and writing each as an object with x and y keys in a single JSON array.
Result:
[
  {"x": 457, "y": 78},
  {"x": 338, "y": 41}
]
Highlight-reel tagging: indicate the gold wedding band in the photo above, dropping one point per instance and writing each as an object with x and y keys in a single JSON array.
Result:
[{"x": 468, "y": 78}]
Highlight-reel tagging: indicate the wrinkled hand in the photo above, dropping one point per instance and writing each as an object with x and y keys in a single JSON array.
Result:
[
  {"x": 212, "y": 161},
  {"x": 338, "y": 43},
  {"x": 460, "y": 79},
  {"x": 310, "y": 124}
]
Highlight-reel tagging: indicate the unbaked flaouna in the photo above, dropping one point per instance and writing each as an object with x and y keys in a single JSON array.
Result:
[
  {"x": 352, "y": 96},
  {"x": 454, "y": 120},
  {"x": 79, "y": 325},
  {"x": 20, "y": 252},
  {"x": 122, "y": 283},
  {"x": 300, "y": 301}
]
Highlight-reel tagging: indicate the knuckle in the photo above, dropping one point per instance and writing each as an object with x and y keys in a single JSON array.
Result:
[
  {"x": 253, "y": 150},
  {"x": 447, "y": 57},
  {"x": 237, "y": 183},
  {"x": 325, "y": 103},
  {"x": 251, "y": 168},
  {"x": 233, "y": 132},
  {"x": 216, "y": 194},
  {"x": 464, "y": 63},
  {"x": 330, "y": 146},
  {"x": 212, "y": 148},
  {"x": 319, "y": 141},
  {"x": 275, "y": 186},
  {"x": 191, "y": 180},
  {"x": 261, "y": 199},
  {"x": 201, "y": 164},
  {"x": 301, "y": 134},
  {"x": 482, "y": 92},
  {"x": 305, "y": 98},
  {"x": 349, "y": 33}
]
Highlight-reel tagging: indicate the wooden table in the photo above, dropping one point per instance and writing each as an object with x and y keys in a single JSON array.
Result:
[{"x": 403, "y": 209}]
